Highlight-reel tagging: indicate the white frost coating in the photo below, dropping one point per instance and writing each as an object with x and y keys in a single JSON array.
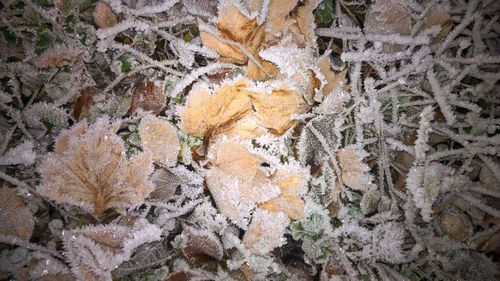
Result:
[
  {"x": 421, "y": 146},
  {"x": 22, "y": 154},
  {"x": 154, "y": 9},
  {"x": 425, "y": 183},
  {"x": 266, "y": 231},
  {"x": 98, "y": 250}
]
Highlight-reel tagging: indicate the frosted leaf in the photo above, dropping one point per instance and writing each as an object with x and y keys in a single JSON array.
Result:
[
  {"x": 235, "y": 24},
  {"x": 104, "y": 16},
  {"x": 230, "y": 108},
  {"x": 45, "y": 267},
  {"x": 89, "y": 170},
  {"x": 166, "y": 183},
  {"x": 159, "y": 137},
  {"x": 274, "y": 109},
  {"x": 438, "y": 16},
  {"x": 149, "y": 96},
  {"x": 15, "y": 217},
  {"x": 46, "y": 116},
  {"x": 292, "y": 187},
  {"x": 333, "y": 80},
  {"x": 202, "y": 242},
  {"x": 146, "y": 256},
  {"x": 386, "y": 243},
  {"x": 310, "y": 149},
  {"x": 266, "y": 232},
  {"x": 388, "y": 17},
  {"x": 354, "y": 170},
  {"x": 21, "y": 154},
  {"x": 94, "y": 251},
  {"x": 57, "y": 56},
  {"x": 277, "y": 15},
  {"x": 424, "y": 183},
  {"x": 204, "y": 112}
]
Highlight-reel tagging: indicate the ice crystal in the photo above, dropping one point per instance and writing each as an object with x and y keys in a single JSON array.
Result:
[{"x": 160, "y": 139}]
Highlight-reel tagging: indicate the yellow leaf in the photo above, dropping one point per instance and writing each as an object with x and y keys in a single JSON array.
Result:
[
  {"x": 353, "y": 168},
  {"x": 160, "y": 138},
  {"x": 274, "y": 109}
]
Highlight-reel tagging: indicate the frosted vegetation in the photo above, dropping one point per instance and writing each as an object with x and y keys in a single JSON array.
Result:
[{"x": 249, "y": 140}]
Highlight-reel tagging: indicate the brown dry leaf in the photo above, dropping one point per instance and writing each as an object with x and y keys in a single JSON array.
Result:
[
  {"x": 159, "y": 137},
  {"x": 205, "y": 113},
  {"x": 305, "y": 22},
  {"x": 104, "y": 16},
  {"x": 441, "y": 18},
  {"x": 289, "y": 201},
  {"x": 456, "y": 225},
  {"x": 248, "y": 127},
  {"x": 57, "y": 56},
  {"x": 279, "y": 11},
  {"x": 81, "y": 107},
  {"x": 148, "y": 96},
  {"x": 265, "y": 232},
  {"x": 234, "y": 110},
  {"x": 388, "y": 17},
  {"x": 332, "y": 78},
  {"x": 89, "y": 170},
  {"x": 15, "y": 217},
  {"x": 95, "y": 251},
  {"x": 233, "y": 25},
  {"x": 202, "y": 243},
  {"x": 274, "y": 109},
  {"x": 353, "y": 168}
]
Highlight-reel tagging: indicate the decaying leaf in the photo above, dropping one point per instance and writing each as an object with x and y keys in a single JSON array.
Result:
[
  {"x": 200, "y": 242},
  {"x": 88, "y": 169},
  {"x": 104, "y": 16},
  {"x": 94, "y": 251},
  {"x": 159, "y": 137},
  {"x": 15, "y": 217},
  {"x": 456, "y": 226},
  {"x": 149, "y": 96},
  {"x": 353, "y": 168},
  {"x": 388, "y": 17},
  {"x": 57, "y": 56},
  {"x": 81, "y": 107},
  {"x": 234, "y": 107},
  {"x": 265, "y": 232},
  {"x": 439, "y": 17}
]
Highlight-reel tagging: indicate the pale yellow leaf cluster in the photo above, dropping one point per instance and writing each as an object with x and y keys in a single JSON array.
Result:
[
  {"x": 15, "y": 217},
  {"x": 285, "y": 20},
  {"x": 159, "y": 137},
  {"x": 89, "y": 169},
  {"x": 234, "y": 110}
]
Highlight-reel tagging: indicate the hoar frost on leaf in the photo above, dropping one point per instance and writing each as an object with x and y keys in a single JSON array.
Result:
[
  {"x": 95, "y": 251},
  {"x": 89, "y": 169},
  {"x": 21, "y": 154},
  {"x": 160, "y": 138}
]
